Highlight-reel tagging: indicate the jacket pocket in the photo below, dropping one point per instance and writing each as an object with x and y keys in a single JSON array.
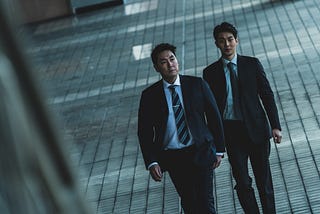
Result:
[{"x": 205, "y": 155}]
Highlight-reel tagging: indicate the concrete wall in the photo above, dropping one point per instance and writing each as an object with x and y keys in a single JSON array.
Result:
[
  {"x": 39, "y": 10},
  {"x": 29, "y": 11}
]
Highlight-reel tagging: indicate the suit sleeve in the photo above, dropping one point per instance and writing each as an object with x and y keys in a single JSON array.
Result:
[
  {"x": 145, "y": 130},
  {"x": 267, "y": 97},
  {"x": 213, "y": 118}
]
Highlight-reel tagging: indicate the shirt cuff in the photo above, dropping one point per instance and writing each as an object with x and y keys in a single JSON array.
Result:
[
  {"x": 152, "y": 164},
  {"x": 220, "y": 154}
]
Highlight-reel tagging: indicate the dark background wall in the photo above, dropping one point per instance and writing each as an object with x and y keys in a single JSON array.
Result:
[{"x": 38, "y": 10}]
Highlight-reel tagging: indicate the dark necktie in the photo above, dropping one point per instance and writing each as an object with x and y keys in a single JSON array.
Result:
[
  {"x": 179, "y": 115},
  {"x": 235, "y": 92}
]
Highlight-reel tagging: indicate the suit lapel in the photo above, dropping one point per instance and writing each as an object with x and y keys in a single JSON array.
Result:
[
  {"x": 221, "y": 81},
  {"x": 222, "y": 76},
  {"x": 162, "y": 99},
  {"x": 241, "y": 72},
  {"x": 185, "y": 88}
]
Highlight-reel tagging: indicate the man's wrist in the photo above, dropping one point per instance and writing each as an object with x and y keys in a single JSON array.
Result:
[
  {"x": 152, "y": 164},
  {"x": 220, "y": 154}
]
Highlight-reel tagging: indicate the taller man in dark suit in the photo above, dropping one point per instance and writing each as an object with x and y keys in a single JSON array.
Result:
[
  {"x": 248, "y": 109},
  {"x": 180, "y": 131}
]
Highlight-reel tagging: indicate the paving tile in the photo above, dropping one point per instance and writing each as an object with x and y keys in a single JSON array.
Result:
[{"x": 94, "y": 79}]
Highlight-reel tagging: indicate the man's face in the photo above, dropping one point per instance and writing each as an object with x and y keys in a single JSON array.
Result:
[
  {"x": 227, "y": 45},
  {"x": 167, "y": 65}
]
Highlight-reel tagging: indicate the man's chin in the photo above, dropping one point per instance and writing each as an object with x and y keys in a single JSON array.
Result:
[
  {"x": 173, "y": 73},
  {"x": 228, "y": 55}
]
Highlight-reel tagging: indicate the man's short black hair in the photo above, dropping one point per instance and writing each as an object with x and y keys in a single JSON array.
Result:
[
  {"x": 159, "y": 48},
  {"x": 225, "y": 27}
]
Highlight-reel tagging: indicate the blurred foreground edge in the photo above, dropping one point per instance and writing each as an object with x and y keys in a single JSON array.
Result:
[{"x": 35, "y": 176}]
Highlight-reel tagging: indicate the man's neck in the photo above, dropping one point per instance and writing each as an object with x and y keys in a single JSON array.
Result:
[
  {"x": 229, "y": 58},
  {"x": 171, "y": 80}
]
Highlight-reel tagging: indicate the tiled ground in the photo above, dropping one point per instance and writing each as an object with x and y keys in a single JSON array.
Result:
[{"x": 95, "y": 65}]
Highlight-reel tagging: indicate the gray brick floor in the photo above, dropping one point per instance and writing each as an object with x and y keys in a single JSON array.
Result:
[{"x": 93, "y": 67}]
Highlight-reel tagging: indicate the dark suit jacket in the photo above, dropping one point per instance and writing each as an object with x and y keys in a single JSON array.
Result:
[
  {"x": 202, "y": 115},
  {"x": 253, "y": 88}
]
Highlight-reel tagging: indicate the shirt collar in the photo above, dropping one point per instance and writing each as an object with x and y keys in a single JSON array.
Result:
[
  {"x": 176, "y": 82},
  {"x": 233, "y": 60}
]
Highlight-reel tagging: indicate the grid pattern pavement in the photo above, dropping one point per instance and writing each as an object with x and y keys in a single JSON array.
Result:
[{"x": 93, "y": 67}]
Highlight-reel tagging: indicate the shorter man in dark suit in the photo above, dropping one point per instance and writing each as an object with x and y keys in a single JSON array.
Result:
[
  {"x": 247, "y": 106},
  {"x": 180, "y": 131}
]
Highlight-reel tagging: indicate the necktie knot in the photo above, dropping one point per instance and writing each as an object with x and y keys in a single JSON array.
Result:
[
  {"x": 172, "y": 87},
  {"x": 230, "y": 66}
]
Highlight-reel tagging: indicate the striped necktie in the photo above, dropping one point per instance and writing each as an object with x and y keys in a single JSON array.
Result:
[{"x": 182, "y": 128}]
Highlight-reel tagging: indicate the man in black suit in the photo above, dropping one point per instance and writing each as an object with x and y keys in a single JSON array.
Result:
[
  {"x": 191, "y": 152},
  {"x": 247, "y": 106}
]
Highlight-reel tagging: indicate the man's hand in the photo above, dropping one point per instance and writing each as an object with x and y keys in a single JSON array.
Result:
[
  {"x": 277, "y": 136},
  {"x": 155, "y": 172},
  {"x": 217, "y": 163}
]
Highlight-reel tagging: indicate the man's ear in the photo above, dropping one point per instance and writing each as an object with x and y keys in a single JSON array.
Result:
[
  {"x": 215, "y": 42},
  {"x": 155, "y": 67}
]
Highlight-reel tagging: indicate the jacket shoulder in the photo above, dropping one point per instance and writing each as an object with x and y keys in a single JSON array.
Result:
[
  {"x": 188, "y": 77},
  {"x": 212, "y": 66},
  {"x": 191, "y": 80},
  {"x": 152, "y": 87},
  {"x": 248, "y": 58}
]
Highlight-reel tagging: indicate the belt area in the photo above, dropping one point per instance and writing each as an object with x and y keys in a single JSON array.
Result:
[{"x": 182, "y": 150}]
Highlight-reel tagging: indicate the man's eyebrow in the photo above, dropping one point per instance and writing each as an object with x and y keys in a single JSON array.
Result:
[
  {"x": 171, "y": 56},
  {"x": 229, "y": 37}
]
